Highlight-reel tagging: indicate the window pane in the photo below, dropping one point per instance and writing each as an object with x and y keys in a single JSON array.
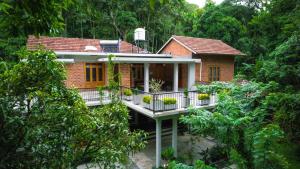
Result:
[
  {"x": 218, "y": 73},
  {"x": 215, "y": 74},
  {"x": 94, "y": 73},
  {"x": 100, "y": 76},
  {"x": 87, "y": 73}
]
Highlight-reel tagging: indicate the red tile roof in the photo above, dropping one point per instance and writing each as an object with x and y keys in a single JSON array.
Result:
[
  {"x": 74, "y": 44},
  {"x": 62, "y": 44},
  {"x": 205, "y": 46},
  {"x": 126, "y": 47}
]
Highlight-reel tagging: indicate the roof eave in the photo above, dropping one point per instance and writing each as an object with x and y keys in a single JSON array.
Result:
[{"x": 227, "y": 54}]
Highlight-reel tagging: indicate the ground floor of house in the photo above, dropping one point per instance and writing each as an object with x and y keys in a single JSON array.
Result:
[{"x": 136, "y": 75}]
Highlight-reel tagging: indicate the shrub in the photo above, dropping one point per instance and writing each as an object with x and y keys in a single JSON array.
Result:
[
  {"x": 147, "y": 99},
  {"x": 186, "y": 92},
  {"x": 203, "y": 96},
  {"x": 127, "y": 92},
  {"x": 168, "y": 154},
  {"x": 135, "y": 91},
  {"x": 169, "y": 100}
]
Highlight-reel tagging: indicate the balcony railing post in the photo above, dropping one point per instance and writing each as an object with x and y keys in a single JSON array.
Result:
[{"x": 154, "y": 103}]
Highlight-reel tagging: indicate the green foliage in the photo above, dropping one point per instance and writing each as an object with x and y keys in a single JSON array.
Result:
[
  {"x": 168, "y": 154},
  {"x": 283, "y": 65},
  {"x": 203, "y": 96},
  {"x": 136, "y": 91},
  {"x": 214, "y": 87},
  {"x": 264, "y": 148},
  {"x": 46, "y": 125},
  {"x": 198, "y": 165},
  {"x": 240, "y": 119},
  {"x": 23, "y": 18},
  {"x": 169, "y": 100},
  {"x": 127, "y": 92},
  {"x": 147, "y": 99},
  {"x": 237, "y": 159},
  {"x": 286, "y": 112},
  {"x": 186, "y": 92}
]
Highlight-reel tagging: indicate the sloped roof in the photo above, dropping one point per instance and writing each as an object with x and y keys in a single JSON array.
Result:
[
  {"x": 74, "y": 44},
  {"x": 62, "y": 44},
  {"x": 126, "y": 47},
  {"x": 204, "y": 46}
]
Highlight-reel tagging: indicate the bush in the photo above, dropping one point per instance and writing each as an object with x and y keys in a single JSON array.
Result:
[
  {"x": 147, "y": 99},
  {"x": 169, "y": 100},
  {"x": 168, "y": 154},
  {"x": 127, "y": 92},
  {"x": 203, "y": 96}
]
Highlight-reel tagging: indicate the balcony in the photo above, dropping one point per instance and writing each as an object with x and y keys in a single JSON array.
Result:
[{"x": 152, "y": 104}]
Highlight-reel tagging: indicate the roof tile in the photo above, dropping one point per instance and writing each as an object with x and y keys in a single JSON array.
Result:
[
  {"x": 207, "y": 46},
  {"x": 74, "y": 44}
]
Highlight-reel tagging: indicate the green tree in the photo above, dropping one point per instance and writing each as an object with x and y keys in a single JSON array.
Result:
[{"x": 46, "y": 125}]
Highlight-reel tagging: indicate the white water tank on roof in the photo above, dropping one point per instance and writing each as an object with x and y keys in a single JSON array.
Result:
[{"x": 139, "y": 34}]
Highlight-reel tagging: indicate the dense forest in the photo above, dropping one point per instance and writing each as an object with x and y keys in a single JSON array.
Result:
[{"x": 267, "y": 31}]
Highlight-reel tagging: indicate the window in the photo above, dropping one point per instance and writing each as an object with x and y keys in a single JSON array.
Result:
[
  {"x": 214, "y": 73},
  {"x": 94, "y": 72}
]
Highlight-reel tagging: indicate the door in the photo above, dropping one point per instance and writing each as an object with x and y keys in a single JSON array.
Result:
[{"x": 94, "y": 75}]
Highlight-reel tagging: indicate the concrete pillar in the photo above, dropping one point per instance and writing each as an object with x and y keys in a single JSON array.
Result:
[
  {"x": 136, "y": 118},
  {"x": 146, "y": 77},
  {"x": 158, "y": 142},
  {"x": 174, "y": 135},
  {"x": 175, "y": 77},
  {"x": 191, "y": 75}
]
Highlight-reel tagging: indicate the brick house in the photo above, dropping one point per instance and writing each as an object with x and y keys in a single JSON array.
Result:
[
  {"x": 184, "y": 59},
  {"x": 217, "y": 58},
  {"x": 181, "y": 63}
]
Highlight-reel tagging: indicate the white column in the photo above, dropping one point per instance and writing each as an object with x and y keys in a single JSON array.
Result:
[
  {"x": 175, "y": 77},
  {"x": 158, "y": 142},
  {"x": 174, "y": 135},
  {"x": 191, "y": 75},
  {"x": 146, "y": 77}
]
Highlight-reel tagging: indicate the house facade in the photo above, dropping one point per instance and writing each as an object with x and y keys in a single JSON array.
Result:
[
  {"x": 217, "y": 58},
  {"x": 186, "y": 60}
]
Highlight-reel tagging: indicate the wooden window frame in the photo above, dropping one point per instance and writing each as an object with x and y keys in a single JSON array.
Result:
[
  {"x": 214, "y": 69},
  {"x": 94, "y": 65}
]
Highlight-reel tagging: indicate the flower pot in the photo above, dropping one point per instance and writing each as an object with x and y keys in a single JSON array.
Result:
[
  {"x": 128, "y": 98},
  {"x": 170, "y": 106},
  {"x": 186, "y": 102},
  {"x": 137, "y": 99},
  {"x": 154, "y": 106},
  {"x": 203, "y": 102}
]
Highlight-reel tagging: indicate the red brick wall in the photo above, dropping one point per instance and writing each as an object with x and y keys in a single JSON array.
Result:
[
  {"x": 75, "y": 75},
  {"x": 226, "y": 64},
  {"x": 176, "y": 49},
  {"x": 125, "y": 71}
]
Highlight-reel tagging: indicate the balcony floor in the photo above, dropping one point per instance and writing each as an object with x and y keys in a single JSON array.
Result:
[{"x": 92, "y": 98}]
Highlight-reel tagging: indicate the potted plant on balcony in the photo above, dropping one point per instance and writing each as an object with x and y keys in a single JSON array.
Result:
[
  {"x": 186, "y": 99},
  {"x": 127, "y": 94},
  {"x": 136, "y": 96},
  {"x": 147, "y": 101},
  {"x": 169, "y": 103},
  {"x": 152, "y": 104},
  {"x": 203, "y": 99}
]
